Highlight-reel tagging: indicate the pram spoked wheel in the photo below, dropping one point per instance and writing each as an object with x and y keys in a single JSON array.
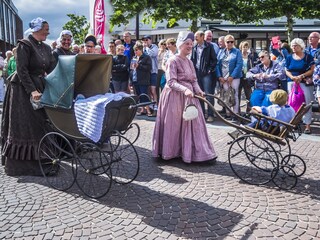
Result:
[
  {"x": 94, "y": 172},
  {"x": 296, "y": 163},
  {"x": 124, "y": 157},
  {"x": 285, "y": 178},
  {"x": 132, "y": 133},
  {"x": 57, "y": 161},
  {"x": 282, "y": 150},
  {"x": 253, "y": 159}
]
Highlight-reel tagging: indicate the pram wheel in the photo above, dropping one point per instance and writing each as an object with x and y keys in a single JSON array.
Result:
[
  {"x": 57, "y": 161},
  {"x": 125, "y": 160},
  {"x": 285, "y": 178},
  {"x": 253, "y": 159},
  {"x": 283, "y": 150},
  {"x": 94, "y": 173},
  {"x": 296, "y": 163},
  {"x": 132, "y": 133}
]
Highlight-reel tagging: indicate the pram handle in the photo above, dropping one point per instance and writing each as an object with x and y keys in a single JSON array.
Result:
[
  {"x": 141, "y": 104},
  {"x": 136, "y": 105},
  {"x": 240, "y": 118}
]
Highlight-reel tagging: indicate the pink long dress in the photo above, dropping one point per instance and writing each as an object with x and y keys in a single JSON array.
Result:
[{"x": 174, "y": 137}]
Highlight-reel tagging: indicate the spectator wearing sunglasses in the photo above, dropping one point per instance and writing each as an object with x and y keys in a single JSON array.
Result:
[
  {"x": 229, "y": 68},
  {"x": 266, "y": 77}
]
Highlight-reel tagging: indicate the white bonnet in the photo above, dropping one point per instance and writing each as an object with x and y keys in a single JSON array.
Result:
[
  {"x": 183, "y": 36},
  {"x": 36, "y": 24},
  {"x": 65, "y": 32}
]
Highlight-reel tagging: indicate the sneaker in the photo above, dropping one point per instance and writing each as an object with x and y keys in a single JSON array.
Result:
[
  {"x": 155, "y": 107},
  {"x": 210, "y": 119}
]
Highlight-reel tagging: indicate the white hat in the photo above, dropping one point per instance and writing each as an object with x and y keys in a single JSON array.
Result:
[{"x": 183, "y": 36}]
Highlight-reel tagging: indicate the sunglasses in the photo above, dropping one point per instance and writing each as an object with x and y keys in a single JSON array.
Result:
[
  {"x": 163, "y": 44},
  {"x": 230, "y": 42},
  {"x": 261, "y": 57},
  {"x": 88, "y": 46}
]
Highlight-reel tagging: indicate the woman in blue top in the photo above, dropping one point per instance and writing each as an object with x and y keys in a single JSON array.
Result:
[
  {"x": 299, "y": 66},
  {"x": 229, "y": 68}
]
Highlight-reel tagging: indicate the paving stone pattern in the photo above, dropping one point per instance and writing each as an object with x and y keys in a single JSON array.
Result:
[{"x": 168, "y": 200}]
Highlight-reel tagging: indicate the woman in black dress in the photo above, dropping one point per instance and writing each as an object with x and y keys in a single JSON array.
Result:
[
  {"x": 64, "y": 47},
  {"x": 22, "y": 126}
]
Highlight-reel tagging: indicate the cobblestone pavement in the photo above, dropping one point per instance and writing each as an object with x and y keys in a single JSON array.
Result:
[{"x": 168, "y": 200}]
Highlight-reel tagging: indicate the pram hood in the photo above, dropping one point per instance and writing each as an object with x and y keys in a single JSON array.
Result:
[{"x": 87, "y": 74}]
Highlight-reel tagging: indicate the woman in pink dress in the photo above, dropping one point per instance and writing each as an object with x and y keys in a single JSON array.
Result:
[{"x": 173, "y": 136}]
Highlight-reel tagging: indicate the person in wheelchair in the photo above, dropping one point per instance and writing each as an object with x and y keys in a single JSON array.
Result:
[
  {"x": 266, "y": 78},
  {"x": 279, "y": 110}
]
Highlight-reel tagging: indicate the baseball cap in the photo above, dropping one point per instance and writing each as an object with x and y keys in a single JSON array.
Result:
[{"x": 147, "y": 37}]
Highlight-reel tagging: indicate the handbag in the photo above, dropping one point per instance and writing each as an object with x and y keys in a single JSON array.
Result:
[
  {"x": 163, "y": 81},
  {"x": 190, "y": 112},
  {"x": 227, "y": 96},
  {"x": 296, "y": 97}
]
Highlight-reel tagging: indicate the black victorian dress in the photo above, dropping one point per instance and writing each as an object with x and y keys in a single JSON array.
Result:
[
  {"x": 60, "y": 51},
  {"x": 23, "y": 127}
]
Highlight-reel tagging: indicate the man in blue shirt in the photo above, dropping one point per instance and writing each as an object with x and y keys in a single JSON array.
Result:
[
  {"x": 314, "y": 46},
  {"x": 128, "y": 46}
]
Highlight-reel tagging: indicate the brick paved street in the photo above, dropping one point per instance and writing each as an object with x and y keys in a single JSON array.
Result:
[{"x": 168, "y": 200}]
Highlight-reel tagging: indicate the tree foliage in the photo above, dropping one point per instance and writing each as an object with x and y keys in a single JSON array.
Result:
[
  {"x": 79, "y": 27},
  {"x": 291, "y": 9},
  {"x": 236, "y": 11}
]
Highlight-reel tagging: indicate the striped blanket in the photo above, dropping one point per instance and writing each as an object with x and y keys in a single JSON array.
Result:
[{"x": 90, "y": 113}]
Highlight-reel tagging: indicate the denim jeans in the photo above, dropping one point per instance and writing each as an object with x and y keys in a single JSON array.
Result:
[
  {"x": 120, "y": 86},
  {"x": 260, "y": 98},
  {"x": 142, "y": 89},
  {"x": 208, "y": 84}
]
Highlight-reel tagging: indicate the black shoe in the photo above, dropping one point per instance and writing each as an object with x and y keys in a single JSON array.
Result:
[{"x": 223, "y": 111}]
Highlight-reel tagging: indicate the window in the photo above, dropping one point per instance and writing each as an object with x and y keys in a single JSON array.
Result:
[{"x": 260, "y": 45}]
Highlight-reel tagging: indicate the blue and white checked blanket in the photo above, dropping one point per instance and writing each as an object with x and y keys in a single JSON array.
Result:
[{"x": 90, "y": 113}]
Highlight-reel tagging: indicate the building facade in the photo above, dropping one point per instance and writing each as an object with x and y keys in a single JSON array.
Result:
[{"x": 11, "y": 26}]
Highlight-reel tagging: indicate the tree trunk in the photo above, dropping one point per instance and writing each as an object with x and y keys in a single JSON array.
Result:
[
  {"x": 289, "y": 28},
  {"x": 194, "y": 26}
]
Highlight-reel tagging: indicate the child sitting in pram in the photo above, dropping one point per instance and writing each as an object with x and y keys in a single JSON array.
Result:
[{"x": 279, "y": 110}]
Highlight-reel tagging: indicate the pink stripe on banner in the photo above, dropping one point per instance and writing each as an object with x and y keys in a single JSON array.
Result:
[{"x": 99, "y": 22}]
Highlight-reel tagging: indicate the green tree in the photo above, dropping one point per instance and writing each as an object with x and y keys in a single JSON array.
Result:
[
  {"x": 79, "y": 27},
  {"x": 173, "y": 11},
  {"x": 157, "y": 11},
  {"x": 236, "y": 11},
  {"x": 267, "y": 9}
]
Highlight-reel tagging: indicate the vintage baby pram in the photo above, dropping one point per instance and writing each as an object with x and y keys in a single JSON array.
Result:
[
  {"x": 67, "y": 156},
  {"x": 260, "y": 156}
]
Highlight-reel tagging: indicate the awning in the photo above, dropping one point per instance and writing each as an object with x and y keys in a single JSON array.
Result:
[{"x": 264, "y": 28}]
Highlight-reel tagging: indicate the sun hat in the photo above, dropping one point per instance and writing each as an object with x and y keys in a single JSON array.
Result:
[{"x": 279, "y": 97}]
